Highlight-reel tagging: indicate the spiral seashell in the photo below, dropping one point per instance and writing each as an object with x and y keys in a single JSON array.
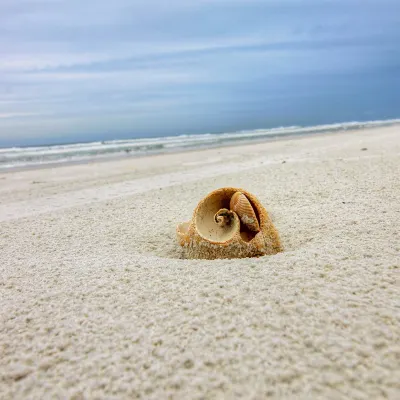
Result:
[
  {"x": 240, "y": 204},
  {"x": 224, "y": 217},
  {"x": 228, "y": 223}
]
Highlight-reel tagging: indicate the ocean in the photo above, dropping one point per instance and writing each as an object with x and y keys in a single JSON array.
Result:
[{"x": 34, "y": 156}]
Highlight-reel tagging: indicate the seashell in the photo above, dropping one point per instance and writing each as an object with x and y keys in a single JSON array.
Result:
[
  {"x": 241, "y": 206},
  {"x": 228, "y": 223}
]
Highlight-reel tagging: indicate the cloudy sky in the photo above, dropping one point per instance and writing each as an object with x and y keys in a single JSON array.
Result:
[{"x": 78, "y": 70}]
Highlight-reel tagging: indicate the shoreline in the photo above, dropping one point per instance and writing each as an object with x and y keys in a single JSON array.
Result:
[{"x": 244, "y": 142}]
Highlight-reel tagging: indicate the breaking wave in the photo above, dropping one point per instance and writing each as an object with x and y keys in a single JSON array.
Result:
[{"x": 80, "y": 152}]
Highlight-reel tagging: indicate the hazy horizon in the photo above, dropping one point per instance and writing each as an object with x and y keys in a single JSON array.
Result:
[{"x": 78, "y": 72}]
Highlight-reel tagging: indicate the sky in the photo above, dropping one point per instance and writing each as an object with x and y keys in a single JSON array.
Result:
[{"x": 78, "y": 70}]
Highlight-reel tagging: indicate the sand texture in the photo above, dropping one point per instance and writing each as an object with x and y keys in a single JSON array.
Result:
[{"x": 97, "y": 303}]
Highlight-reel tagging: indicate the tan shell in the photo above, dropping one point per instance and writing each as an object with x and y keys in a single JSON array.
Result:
[
  {"x": 216, "y": 231},
  {"x": 241, "y": 206}
]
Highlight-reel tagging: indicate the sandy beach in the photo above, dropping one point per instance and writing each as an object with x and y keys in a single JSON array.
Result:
[{"x": 97, "y": 301}]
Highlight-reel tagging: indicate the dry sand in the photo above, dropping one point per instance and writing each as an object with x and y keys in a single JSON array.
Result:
[{"x": 96, "y": 301}]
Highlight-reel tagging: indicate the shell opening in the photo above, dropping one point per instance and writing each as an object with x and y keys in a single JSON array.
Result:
[
  {"x": 247, "y": 235},
  {"x": 214, "y": 221}
]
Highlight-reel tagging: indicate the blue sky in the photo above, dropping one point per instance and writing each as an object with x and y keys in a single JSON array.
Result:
[{"x": 98, "y": 69}]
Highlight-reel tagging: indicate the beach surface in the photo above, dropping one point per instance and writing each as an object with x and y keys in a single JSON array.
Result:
[{"x": 97, "y": 301}]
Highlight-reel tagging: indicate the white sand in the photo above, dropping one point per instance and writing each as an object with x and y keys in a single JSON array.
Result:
[{"x": 97, "y": 303}]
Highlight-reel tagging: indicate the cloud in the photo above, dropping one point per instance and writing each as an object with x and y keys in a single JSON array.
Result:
[
  {"x": 16, "y": 115},
  {"x": 66, "y": 65}
]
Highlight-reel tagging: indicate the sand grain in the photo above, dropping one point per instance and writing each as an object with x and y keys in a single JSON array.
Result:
[{"x": 96, "y": 301}]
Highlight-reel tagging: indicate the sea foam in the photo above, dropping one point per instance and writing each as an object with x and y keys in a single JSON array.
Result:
[{"x": 15, "y": 157}]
